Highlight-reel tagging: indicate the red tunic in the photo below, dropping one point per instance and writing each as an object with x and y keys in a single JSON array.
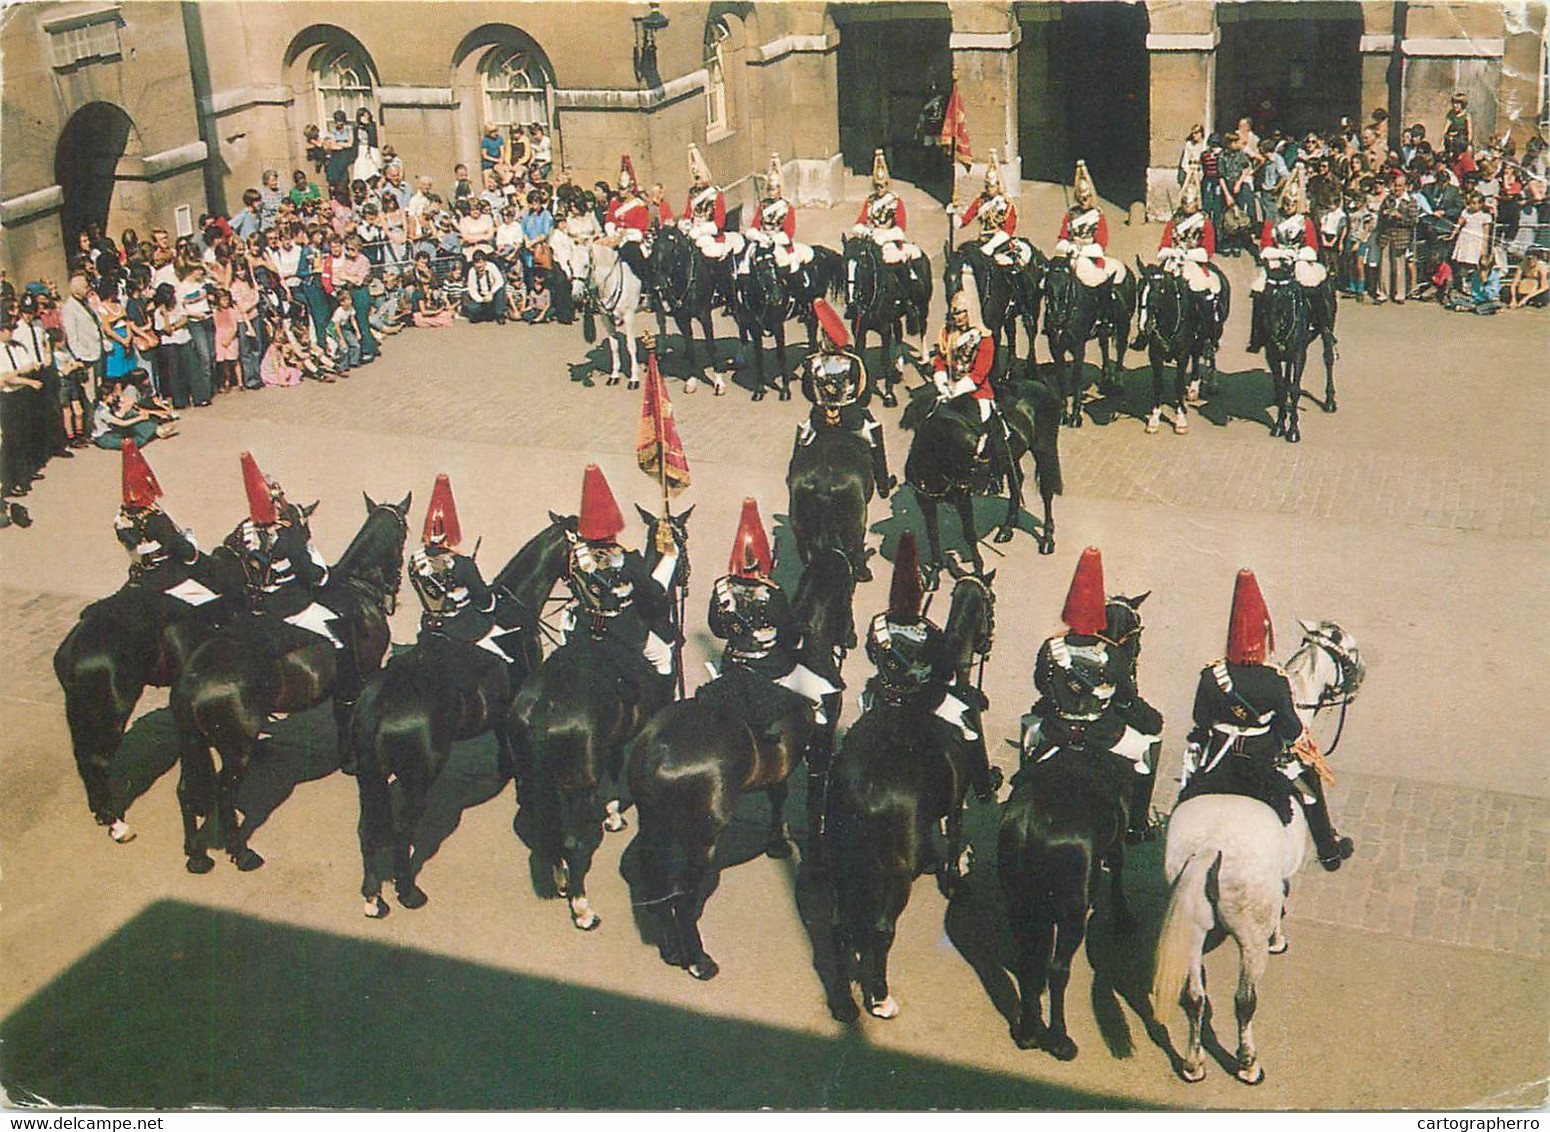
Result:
[
  {"x": 788, "y": 225},
  {"x": 631, "y": 214},
  {"x": 718, "y": 215},
  {"x": 1310, "y": 239},
  {"x": 979, "y": 372},
  {"x": 1207, "y": 237},
  {"x": 898, "y": 214},
  {"x": 1100, "y": 236},
  {"x": 1009, "y": 225}
]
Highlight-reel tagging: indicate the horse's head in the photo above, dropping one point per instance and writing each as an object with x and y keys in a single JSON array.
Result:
[
  {"x": 863, "y": 269},
  {"x": 823, "y": 603},
  {"x": 539, "y": 564},
  {"x": 1334, "y": 661},
  {"x": 971, "y": 620},
  {"x": 1122, "y": 627},
  {"x": 375, "y": 557},
  {"x": 658, "y": 531}
]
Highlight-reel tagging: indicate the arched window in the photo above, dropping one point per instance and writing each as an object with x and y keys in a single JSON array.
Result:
[
  {"x": 716, "y": 115},
  {"x": 516, "y": 88},
  {"x": 342, "y": 81}
]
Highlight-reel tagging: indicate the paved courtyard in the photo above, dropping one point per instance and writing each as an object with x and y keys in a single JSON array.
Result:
[{"x": 1417, "y": 517}]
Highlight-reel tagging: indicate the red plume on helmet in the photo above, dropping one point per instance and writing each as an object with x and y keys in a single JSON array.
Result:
[
  {"x": 260, "y": 495},
  {"x": 600, "y": 518},
  {"x": 751, "y": 555},
  {"x": 905, "y": 594},
  {"x": 1084, "y": 611},
  {"x": 140, "y": 487},
  {"x": 833, "y": 325},
  {"x": 1250, "y": 636},
  {"x": 441, "y": 525}
]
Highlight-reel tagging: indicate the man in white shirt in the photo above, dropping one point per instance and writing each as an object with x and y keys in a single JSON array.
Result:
[
  {"x": 484, "y": 299},
  {"x": 83, "y": 331}
]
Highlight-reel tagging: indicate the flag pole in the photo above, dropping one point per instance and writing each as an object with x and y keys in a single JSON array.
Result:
[
  {"x": 952, "y": 148},
  {"x": 676, "y": 600}
]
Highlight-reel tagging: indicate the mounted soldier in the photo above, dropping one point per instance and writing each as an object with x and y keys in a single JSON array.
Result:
[
  {"x": 160, "y": 554},
  {"x": 1187, "y": 247},
  {"x": 705, "y": 212},
  {"x": 753, "y": 615},
  {"x": 835, "y": 381},
  {"x": 913, "y": 665},
  {"x": 615, "y": 596},
  {"x": 997, "y": 217},
  {"x": 1087, "y": 693},
  {"x": 1248, "y": 738},
  {"x": 457, "y": 604},
  {"x": 774, "y": 227},
  {"x": 1293, "y": 239},
  {"x": 628, "y": 220},
  {"x": 1084, "y": 236},
  {"x": 285, "y": 573},
  {"x": 883, "y": 218},
  {"x": 961, "y": 363}
]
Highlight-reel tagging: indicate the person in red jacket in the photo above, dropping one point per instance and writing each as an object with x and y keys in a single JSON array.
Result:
[
  {"x": 997, "y": 216},
  {"x": 961, "y": 364},
  {"x": 1187, "y": 246},
  {"x": 1293, "y": 239},
  {"x": 627, "y": 220},
  {"x": 1084, "y": 235},
  {"x": 705, "y": 212},
  {"x": 774, "y": 226}
]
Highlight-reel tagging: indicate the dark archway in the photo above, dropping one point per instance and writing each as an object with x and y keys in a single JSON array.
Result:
[
  {"x": 1289, "y": 67},
  {"x": 1084, "y": 91},
  {"x": 893, "y": 59},
  {"x": 86, "y": 163}
]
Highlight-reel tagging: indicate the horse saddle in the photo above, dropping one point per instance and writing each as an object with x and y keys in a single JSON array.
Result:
[
  {"x": 1248, "y": 778},
  {"x": 758, "y": 701}
]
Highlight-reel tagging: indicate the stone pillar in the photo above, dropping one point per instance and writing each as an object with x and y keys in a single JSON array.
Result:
[
  {"x": 1182, "y": 43},
  {"x": 1452, "y": 47},
  {"x": 1377, "y": 48},
  {"x": 796, "y": 71},
  {"x": 984, "y": 43}
]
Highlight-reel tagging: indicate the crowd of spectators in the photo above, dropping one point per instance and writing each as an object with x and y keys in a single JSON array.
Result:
[{"x": 1465, "y": 221}]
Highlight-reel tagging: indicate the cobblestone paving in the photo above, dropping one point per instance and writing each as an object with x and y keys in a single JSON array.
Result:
[{"x": 35, "y": 623}]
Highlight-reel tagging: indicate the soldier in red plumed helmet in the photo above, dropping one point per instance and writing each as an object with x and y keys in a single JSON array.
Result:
[
  {"x": 160, "y": 555},
  {"x": 1248, "y": 736},
  {"x": 753, "y": 615},
  {"x": 616, "y": 597},
  {"x": 458, "y": 604},
  {"x": 914, "y": 665}
]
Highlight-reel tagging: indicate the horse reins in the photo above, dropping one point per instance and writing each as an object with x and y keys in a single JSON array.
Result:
[{"x": 1341, "y": 697}]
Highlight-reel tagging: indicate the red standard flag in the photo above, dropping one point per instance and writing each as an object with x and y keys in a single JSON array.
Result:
[
  {"x": 955, "y": 128},
  {"x": 657, "y": 447}
]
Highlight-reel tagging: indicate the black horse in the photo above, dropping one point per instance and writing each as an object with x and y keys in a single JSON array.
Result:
[
  {"x": 688, "y": 286},
  {"x": 1177, "y": 334},
  {"x": 1075, "y": 313},
  {"x": 254, "y": 667},
  {"x": 765, "y": 295},
  {"x": 893, "y": 782},
  {"x": 831, "y": 482},
  {"x": 569, "y": 724},
  {"x": 694, "y": 758},
  {"x": 878, "y": 301},
  {"x": 1066, "y": 818},
  {"x": 440, "y": 692},
  {"x": 134, "y": 639},
  {"x": 943, "y": 464},
  {"x": 1007, "y": 295},
  {"x": 1290, "y": 330}
]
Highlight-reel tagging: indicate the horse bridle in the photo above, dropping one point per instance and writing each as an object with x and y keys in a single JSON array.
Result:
[
  {"x": 385, "y": 596},
  {"x": 1343, "y": 693}
]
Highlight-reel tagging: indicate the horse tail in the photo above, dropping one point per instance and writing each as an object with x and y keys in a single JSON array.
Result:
[
  {"x": 557, "y": 748},
  {"x": 874, "y": 853},
  {"x": 1189, "y": 917}
]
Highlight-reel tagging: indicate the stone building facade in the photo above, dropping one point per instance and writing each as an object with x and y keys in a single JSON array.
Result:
[{"x": 124, "y": 112}]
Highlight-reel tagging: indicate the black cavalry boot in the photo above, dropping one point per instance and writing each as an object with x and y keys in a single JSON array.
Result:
[
  {"x": 985, "y": 779},
  {"x": 1333, "y": 850},
  {"x": 1140, "y": 828},
  {"x": 1257, "y": 323},
  {"x": 885, "y": 482}
]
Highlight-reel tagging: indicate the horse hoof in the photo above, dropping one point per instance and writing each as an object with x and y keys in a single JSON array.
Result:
[
  {"x": 1152, "y": 424},
  {"x": 411, "y": 896},
  {"x": 1076, "y": 419},
  {"x": 863, "y": 573},
  {"x": 247, "y": 860},
  {"x": 1061, "y": 1048},
  {"x": 588, "y": 923},
  {"x": 890, "y": 401},
  {"x": 1330, "y": 406},
  {"x": 615, "y": 823},
  {"x": 120, "y": 832},
  {"x": 1194, "y": 1074},
  {"x": 1251, "y": 1074},
  {"x": 1293, "y": 436},
  {"x": 691, "y": 385},
  {"x": 720, "y": 388},
  {"x": 1047, "y": 547},
  {"x": 1276, "y": 429},
  {"x": 887, "y": 1008},
  {"x": 842, "y": 1008},
  {"x": 632, "y": 384},
  {"x": 785, "y": 394},
  {"x": 704, "y": 969},
  {"x": 1004, "y": 535},
  {"x": 779, "y": 849},
  {"x": 1279, "y": 944},
  {"x": 199, "y": 865},
  {"x": 612, "y": 381},
  {"x": 758, "y": 394},
  {"x": 377, "y": 908},
  {"x": 1180, "y": 425},
  {"x": 1031, "y": 1038}
]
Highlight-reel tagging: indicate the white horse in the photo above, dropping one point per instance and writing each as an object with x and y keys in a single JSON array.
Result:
[
  {"x": 1241, "y": 842},
  {"x": 602, "y": 281}
]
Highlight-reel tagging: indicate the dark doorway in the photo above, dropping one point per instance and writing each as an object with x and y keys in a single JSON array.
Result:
[
  {"x": 85, "y": 162},
  {"x": 1084, "y": 91},
  {"x": 894, "y": 69},
  {"x": 1289, "y": 67}
]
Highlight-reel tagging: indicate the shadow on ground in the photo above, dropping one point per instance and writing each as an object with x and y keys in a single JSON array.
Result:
[{"x": 151, "y": 1020}]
